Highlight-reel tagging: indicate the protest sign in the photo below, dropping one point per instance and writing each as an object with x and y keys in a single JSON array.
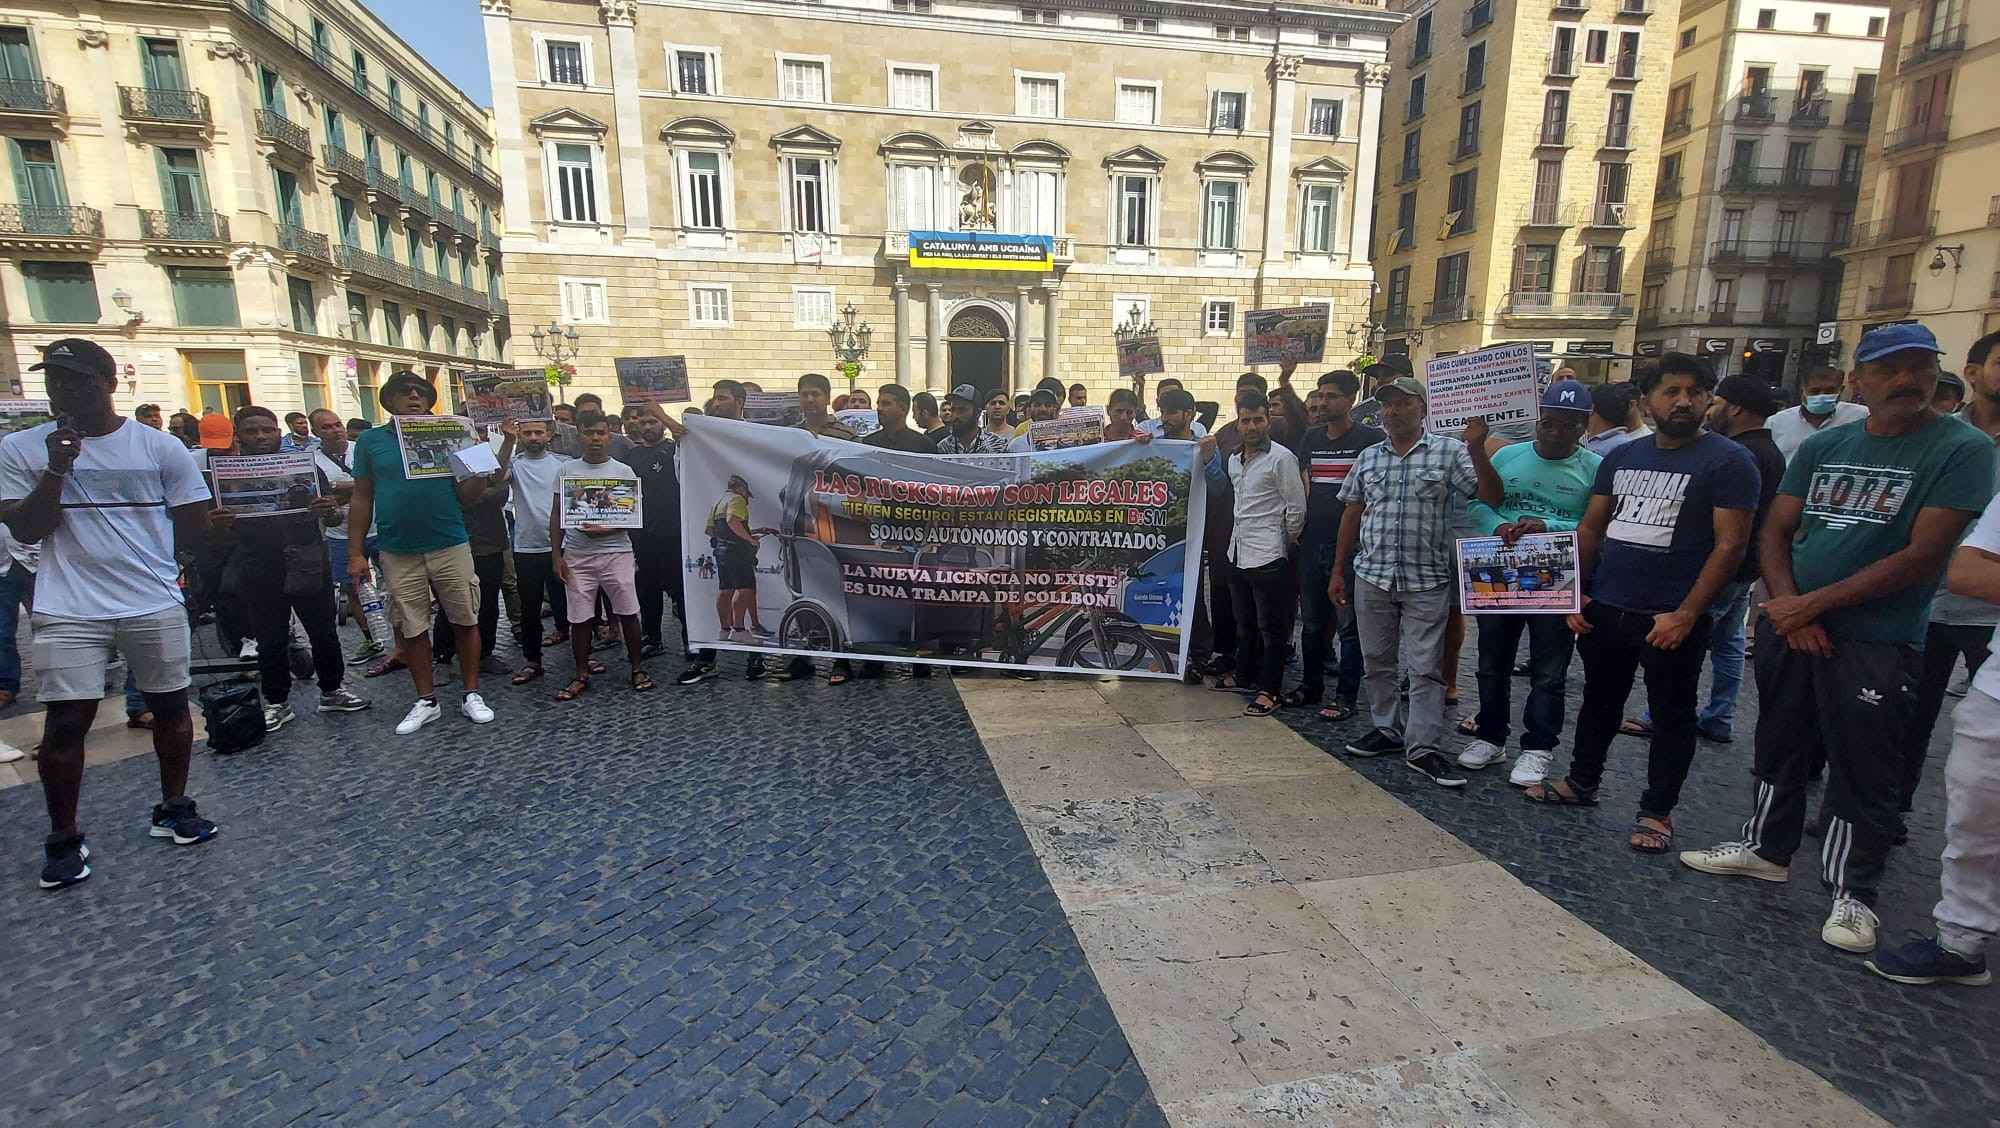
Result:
[
  {"x": 1268, "y": 333},
  {"x": 264, "y": 485},
  {"x": 1139, "y": 356},
  {"x": 1075, "y": 427},
  {"x": 21, "y": 414},
  {"x": 780, "y": 408},
  {"x": 1059, "y": 560},
  {"x": 611, "y": 502},
  {"x": 1537, "y": 574},
  {"x": 427, "y": 442},
  {"x": 653, "y": 379},
  {"x": 1497, "y": 382},
  {"x": 495, "y": 396}
]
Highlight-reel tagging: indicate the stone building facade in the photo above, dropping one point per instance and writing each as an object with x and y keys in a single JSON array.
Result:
[
  {"x": 268, "y": 201},
  {"x": 1767, "y": 123},
  {"x": 1516, "y": 176},
  {"x": 719, "y": 178}
]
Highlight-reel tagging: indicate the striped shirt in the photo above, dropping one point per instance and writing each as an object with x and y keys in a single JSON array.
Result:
[{"x": 1412, "y": 502}]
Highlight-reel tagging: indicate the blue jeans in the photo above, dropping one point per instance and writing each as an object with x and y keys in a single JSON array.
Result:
[
  {"x": 1317, "y": 618},
  {"x": 17, "y": 590},
  {"x": 1725, "y": 658},
  {"x": 1549, "y": 646}
]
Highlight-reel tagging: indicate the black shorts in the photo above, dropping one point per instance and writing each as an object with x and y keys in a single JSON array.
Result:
[{"x": 735, "y": 567}]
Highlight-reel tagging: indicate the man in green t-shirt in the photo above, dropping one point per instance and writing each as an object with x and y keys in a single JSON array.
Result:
[
  {"x": 1865, "y": 519},
  {"x": 421, "y": 530}
]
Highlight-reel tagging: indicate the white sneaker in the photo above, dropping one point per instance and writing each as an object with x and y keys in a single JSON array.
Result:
[
  {"x": 277, "y": 716},
  {"x": 475, "y": 709},
  {"x": 1734, "y": 859},
  {"x": 421, "y": 714},
  {"x": 1850, "y": 927},
  {"x": 249, "y": 651},
  {"x": 1531, "y": 768},
  {"x": 1481, "y": 754},
  {"x": 9, "y": 753}
]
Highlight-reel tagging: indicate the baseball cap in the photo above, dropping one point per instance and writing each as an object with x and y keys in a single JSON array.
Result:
[
  {"x": 1749, "y": 393},
  {"x": 217, "y": 433},
  {"x": 397, "y": 381},
  {"x": 1878, "y": 343},
  {"x": 965, "y": 392},
  {"x": 1568, "y": 394},
  {"x": 1043, "y": 395},
  {"x": 74, "y": 354},
  {"x": 1952, "y": 381},
  {"x": 1395, "y": 362},
  {"x": 1405, "y": 384},
  {"x": 1176, "y": 399}
]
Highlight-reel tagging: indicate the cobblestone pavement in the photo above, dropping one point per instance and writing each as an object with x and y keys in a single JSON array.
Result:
[
  {"x": 737, "y": 904},
  {"x": 1917, "y": 1056}
]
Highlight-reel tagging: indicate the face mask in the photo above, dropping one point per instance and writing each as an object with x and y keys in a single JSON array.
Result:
[{"x": 1822, "y": 405}]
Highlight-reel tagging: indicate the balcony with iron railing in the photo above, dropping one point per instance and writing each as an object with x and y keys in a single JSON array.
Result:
[
  {"x": 298, "y": 241},
  {"x": 1945, "y": 39},
  {"x": 1561, "y": 64},
  {"x": 1529, "y": 305},
  {"x": 1410, "y": 171},
  {"x": 1420, "y": 52},
  {"x": 1811, "y": 113},
  {"x": 1396, "y": 319},
  {"x": 1788, "y": 180},
  {"x": 1478, "y": 16},
  {"x": 344, "y": 165},
  {"x": 31, "y": 98},
  {"x": 1895, "y": 229},
  {"x": 1634, "y": 9},
  {"x": 1766, "y": 252},
  {"x": 1858, "y": 115},
  {"x": 458, "y": 224},
  {"x": 1756, "y": 109},
  {"x": 1452, "y": 307},
  {"x": 1547, "y": 213},
  {"x": 285, "y": 134},
  {"x": 1680, "y": 121},
  {"x": 1568, "y": 7},
  {"x": 1995, "y": 294},
  {"x": 163, "y": 107},
  {"x": 199, "y": 227},
  {"x": 1557, "y": 134},
  {"x": 414, "y": 201},
  {"x": 302, "y": 42},
  {"x": 383, "y": 189},
  {"x": 1625, "y": 67},
  {"x": 1993, "y": 211},
  {"x": 1667, "y": 191},
  {"x": 370, "y": 265},
  {"x": 1916, "y": 135},
  {"x": 1898, "y": 295},
  {"x": 1719, "y": 313},
  {"x": 1659, "y": 261},
  {"x": 1465, "y": 149},
  {"x": 1617, "y": 135},
  {"x": 43, "y": 224},
  {"x": 1611, "y": 213}
]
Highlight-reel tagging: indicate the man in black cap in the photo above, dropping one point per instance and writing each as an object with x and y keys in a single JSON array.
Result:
[
  {"x": 1368, "y": 412},
  {"x": 968, "y": 435},
  {"x": 425, "y": 550},
  {"x": 107, "y": 499}
]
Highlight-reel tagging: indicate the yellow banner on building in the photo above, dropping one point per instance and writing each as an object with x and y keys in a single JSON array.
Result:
[{"x": 981, "y": 250}]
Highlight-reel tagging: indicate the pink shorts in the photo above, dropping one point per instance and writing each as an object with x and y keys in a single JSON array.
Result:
[{"x": 611, "y": 573}]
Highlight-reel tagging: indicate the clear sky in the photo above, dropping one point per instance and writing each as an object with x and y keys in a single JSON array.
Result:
[{"x": 449, "y": 33}]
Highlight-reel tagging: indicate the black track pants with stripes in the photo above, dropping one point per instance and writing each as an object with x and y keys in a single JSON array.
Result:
[{"x": 1858, "y": 704}]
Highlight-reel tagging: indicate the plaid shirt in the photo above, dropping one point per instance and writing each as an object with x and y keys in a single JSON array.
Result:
[
  {"x": 1413, "y": 501},
  {"x": 984, "y": 442}
]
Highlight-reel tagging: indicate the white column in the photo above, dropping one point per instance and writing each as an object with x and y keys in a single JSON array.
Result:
[
  {"x": 934, "y": 338},
  {"x": 1361, "y": 190},
  {"x": 631, "y": 142},
  {"x": 903, "y": 373},
  {"x": 508, "y": 135},
  {"x": 1278, "y": 157},
  {"x": 1021, "y": 338},
  {"x": 1051, "y": 351}
]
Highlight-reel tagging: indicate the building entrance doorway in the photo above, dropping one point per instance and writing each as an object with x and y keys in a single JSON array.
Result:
[{"x": 978, "y": 349}]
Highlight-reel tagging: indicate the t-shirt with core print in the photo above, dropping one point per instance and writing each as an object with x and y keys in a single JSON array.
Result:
[
  {"x": 1662, "y": 529},
  {"x": 1862, "y": 494}
]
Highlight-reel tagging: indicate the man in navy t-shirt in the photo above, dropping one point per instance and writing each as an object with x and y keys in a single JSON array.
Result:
[
  {"x": 1326, "y": 454},
  {"x": 1668, "y": 523}
]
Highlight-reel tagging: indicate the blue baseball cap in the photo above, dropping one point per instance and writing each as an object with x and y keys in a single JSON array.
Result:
[
  {"x": 1570, "y": 395},
  {"x": 1878, "y": 343}
]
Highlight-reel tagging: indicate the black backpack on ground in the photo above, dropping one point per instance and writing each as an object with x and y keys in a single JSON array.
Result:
[{"x": 233, "y": 712}]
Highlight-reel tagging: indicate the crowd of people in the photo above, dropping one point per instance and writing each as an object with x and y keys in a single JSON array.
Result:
[{"x": 1702, "y": 510}]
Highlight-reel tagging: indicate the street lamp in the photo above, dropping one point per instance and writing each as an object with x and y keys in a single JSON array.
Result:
[
  {"x": 1956, "y": 252},
  {"x": 850, "y": 343},
  {"x": 1137, "y": 324}
]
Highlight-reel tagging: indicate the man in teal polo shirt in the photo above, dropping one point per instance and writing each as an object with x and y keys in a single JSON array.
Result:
[{"x": 421, "y": 531}]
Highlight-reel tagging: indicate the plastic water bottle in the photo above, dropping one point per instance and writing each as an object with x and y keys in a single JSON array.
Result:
[{"x": 374, "y": 614}]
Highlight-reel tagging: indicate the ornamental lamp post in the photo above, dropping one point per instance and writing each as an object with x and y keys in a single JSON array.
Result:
[
  {"x": 557, "y": 346},
  {"x": 1137, "y": 324},
  {"x": 850, "y": 343}
]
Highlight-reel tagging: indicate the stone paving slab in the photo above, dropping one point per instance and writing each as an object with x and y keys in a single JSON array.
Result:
[{"x": 741, "y": 903}]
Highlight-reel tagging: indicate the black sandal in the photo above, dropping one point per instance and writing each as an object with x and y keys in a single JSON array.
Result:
[
  {"x": 1297, "y": 699},
  {"x": 641, "y": 681},
  {"x": 1469, "y": 727},
  {"x": 1338, "y": 711},
  {"x": 1552, "y": 793},
  {"x": 1262, "y": 705},
  {"x": 576, "y": 688},
  {"x": 528, "y": 673}
]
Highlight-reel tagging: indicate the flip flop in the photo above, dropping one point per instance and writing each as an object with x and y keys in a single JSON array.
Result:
[
  {"x": 1550, "y": 793},
  {"x": 1633, "y": 726},
  {"x": 641, "y": 681},
  {"x": 528, "y": 673},
  {"x": 1262, "y": 705},
  {"x": 389, "y": 667},
  {"x": 1338, "y": 711},
  {"x": 1297, "y": 699}
]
